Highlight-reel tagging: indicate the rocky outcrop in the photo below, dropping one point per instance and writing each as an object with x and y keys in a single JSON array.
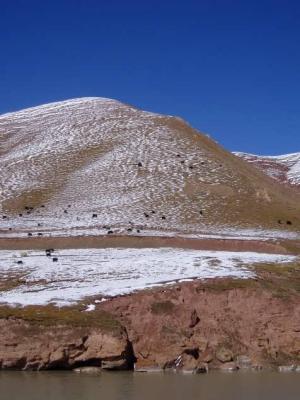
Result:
[
  {"x": 223, "y": 324},
  {"x": 224, "y": 355},
  {"x": 30, "y": 346}
]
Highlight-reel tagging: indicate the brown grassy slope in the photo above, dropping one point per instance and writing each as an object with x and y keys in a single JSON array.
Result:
[
  {"x": 250, "y": 197},
  {"x": 183, "y": 172}
]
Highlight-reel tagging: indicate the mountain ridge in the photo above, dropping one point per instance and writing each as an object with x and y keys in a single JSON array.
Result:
[{"x": 284, "y": 168}]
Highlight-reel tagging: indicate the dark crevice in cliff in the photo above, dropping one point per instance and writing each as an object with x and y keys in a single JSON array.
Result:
[{"x": 130, "y": 356}]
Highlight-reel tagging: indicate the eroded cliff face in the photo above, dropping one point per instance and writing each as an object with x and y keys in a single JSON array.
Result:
[
  {"x": 200, "y": 326},
  {"x": 29, "y": 346},
  {"x": 193, "y": 326}
]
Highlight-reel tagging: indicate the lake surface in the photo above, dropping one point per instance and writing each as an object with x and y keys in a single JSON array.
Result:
[{"x": 156, "y": 386}]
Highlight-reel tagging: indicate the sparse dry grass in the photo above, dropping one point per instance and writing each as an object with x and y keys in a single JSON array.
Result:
[
  {"x": 282, "y": 280},
  {"x": 162, "y": 307},
  {"x": 11, "y": 281},
  {"x": 72, "y": 316},
  {"x": 224, "y": 284}
]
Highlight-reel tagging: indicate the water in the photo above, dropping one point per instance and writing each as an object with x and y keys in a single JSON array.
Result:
[{"x": 156, "y": 386}]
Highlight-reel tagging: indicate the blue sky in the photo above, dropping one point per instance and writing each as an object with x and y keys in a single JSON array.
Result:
[{"x": 231, "y": 68}]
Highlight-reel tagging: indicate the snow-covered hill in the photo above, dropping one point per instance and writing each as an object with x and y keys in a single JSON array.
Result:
[
  {"x": 284, "y": 168},
  {"x": 94, "y": 165}
]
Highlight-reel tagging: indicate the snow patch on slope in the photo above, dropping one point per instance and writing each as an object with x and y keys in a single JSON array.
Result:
[
  {"x": 110, "y": 272},
  {"x": 272, "y": 165}
]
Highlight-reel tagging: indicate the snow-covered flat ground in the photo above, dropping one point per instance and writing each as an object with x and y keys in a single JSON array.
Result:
[{"x": 109, "y": 272}]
